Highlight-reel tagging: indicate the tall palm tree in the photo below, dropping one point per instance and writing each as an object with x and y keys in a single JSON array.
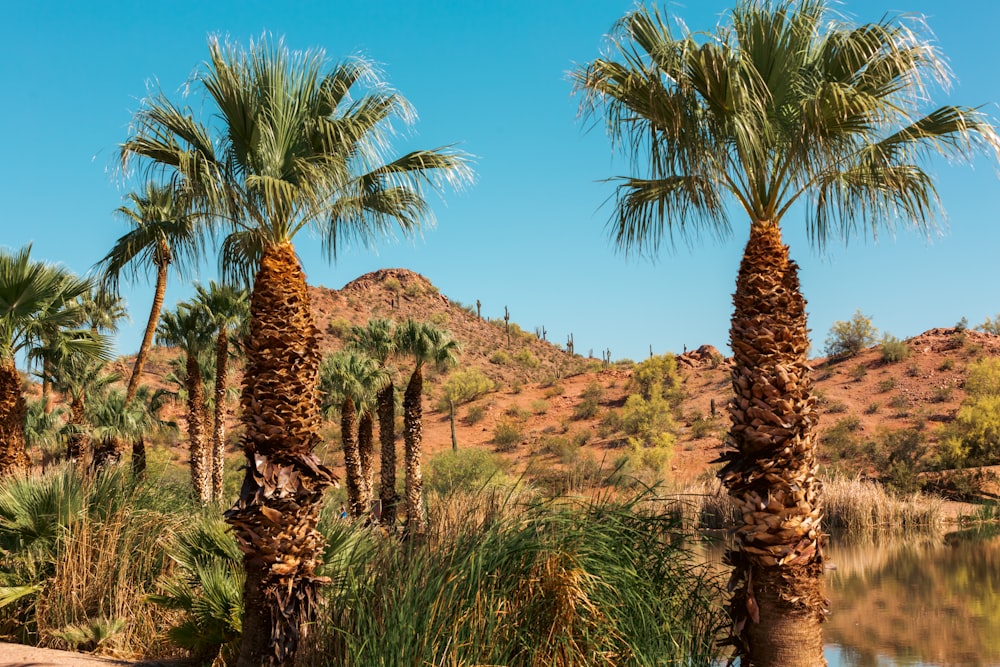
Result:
[
  {"x": 349, "y": 382},
  {"x": 377, "y": 339},
  {"x": 190, "y": 329},
  {"x": 783, "y": 104},
  {"x": 297, "y": 146},
  {"x": 423, "y": 343},
  {"x": 164, "y": 231},
  {"x": 36, "y": 299},
  {"x": 228, "y": 308}
]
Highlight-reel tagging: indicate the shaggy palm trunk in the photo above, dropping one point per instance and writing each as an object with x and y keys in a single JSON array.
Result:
[
  {"x": 139, "y": 457},
  {"x": 218, "y": 457},
  {"x": 387, "y": 441},
  {"x": 13, "y": 455},
  {"x": 154, "y": 317},
  {"x": 416, "y": 518},
  {"x": 778, "y": 602},
  {"x": 352, "y": 458},
  {"x": 78, "y": 443},
  {"x": 274, "y": 518},
  {"x": 196, "y": 431},
  {"x": 108, "y": 453},
  {"x": 366, "y": 454}
]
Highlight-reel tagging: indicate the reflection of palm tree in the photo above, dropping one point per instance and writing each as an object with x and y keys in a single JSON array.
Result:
[
  {"x": 775, "y": 108},
  {"x": 36, "y": 300},
  {"x": 228, "y": 308},
  {"x": 190, "y": 329},
  {"x": 164, "y": 232},
  {"x": 424, "y": 343},
  {"x": 377, "y": 339},
  {"x": 294, "y": 149}
]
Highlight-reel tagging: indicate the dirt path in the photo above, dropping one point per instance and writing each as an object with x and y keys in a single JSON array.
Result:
[{"x": 19, "y": 655}]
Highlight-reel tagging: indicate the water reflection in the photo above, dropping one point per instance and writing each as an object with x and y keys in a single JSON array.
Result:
[{"x": 931, "y": 601}]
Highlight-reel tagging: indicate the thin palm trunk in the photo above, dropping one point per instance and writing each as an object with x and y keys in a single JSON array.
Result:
[
  {"x": 416, "y": 517},
  {"x": 352, "y": 458},
  {"x": 196, "y": 430},
  {"x": 78, "y": 443},
  {"x": 366, "y": 455},
  {"x": 154, "y": 317},
  {"x": 387, "y": 441},
  {"x": 13, "y": 454},
  {"x": 274, "y": 518},
  {"x": 778, "y": 604},
  {"x": 139, "y": 457},
  {"x": 218, "y": 457}
]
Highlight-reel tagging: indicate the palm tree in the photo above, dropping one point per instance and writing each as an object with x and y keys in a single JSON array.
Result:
[
  {"x": 36, "y": 299},
  {"x": 293, "y": 150},
  {"x": 780, "y": 105},
  {"x": 42, "y": 426},
  {"x": 424, "y": 343},
  {"x": 80, "y": 378},
  {"x": 119, "y": 423},
  {"x": 190, "y": 329},
  {"x": 164, "y": 231},
  {"x": 349, "y": 381},
  {"x": 228, "y": 307},
  {"x": 377, "y": 339}
]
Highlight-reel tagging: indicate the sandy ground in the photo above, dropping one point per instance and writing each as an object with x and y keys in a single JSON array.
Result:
[{"x": 19, "y": 655}]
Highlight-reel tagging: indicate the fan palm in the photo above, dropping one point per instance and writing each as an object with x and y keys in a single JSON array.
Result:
[
  {"x": 228, "y": 307},
  {"x": 293, "y": 150},
  {"x": 377, "y": 340},
  {"x": 164, "y": 231},
  {"x": 36, "y": 300},
  {"x": 190, "y": 329},
  {"x": 782, "y": 105},
  {"x": 80, "y": 379},
  {"x": 349, "y": 381},
  {"x": 423, "y": 343},
  {"x": 119, "y": 423}
]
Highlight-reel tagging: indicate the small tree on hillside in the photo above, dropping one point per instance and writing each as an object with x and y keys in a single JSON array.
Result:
[{"x": 846, "y": 339}]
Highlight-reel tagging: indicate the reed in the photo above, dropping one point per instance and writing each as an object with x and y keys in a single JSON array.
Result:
[{"x": 860, "y": 507}]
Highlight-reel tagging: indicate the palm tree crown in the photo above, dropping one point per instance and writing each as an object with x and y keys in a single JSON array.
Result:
[{"x": 778, "y": 105}]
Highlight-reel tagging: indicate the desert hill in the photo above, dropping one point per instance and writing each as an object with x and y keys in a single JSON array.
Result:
[{"x": 540, "y": 387}]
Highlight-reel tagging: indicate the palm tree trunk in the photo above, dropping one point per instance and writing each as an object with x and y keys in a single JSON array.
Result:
[
  {"x": 352, "y": 458},
  {"x": 139, "y": 457},
  {"x": 154, "y": 317},
  {"x": 778, "y": 603},
  {"x": 13, "y": 454},
  {"x": 416, "y": 518},
  {"x": 274, "y": 518},
  {"x": 196, "y": 431},
  {"x": 387, "y": 441},
  {"x": 218, "y": 456},
  {"x": 78, "y": 442},
  {"x": 366, "y": 454}
]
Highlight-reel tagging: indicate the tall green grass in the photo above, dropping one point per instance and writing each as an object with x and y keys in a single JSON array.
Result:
[{"x": 552, "y": 583}]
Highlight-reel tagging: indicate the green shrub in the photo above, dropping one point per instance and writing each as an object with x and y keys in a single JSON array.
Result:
[
  {"x": 539, "y": 407},
  {"x": 565, "y": 449},
  {"x": 554, "y": 390},
  {"x": 846, "y": 339},
  {"x": 526, "y": 359},
  {"x": 392, "y": 285},
  {"x": 463, "y": 386},
  {"x": 990, "y": 326},
  {"x": 893, "y": 349},
  {"x": 610, "y": 423},
  {"x": 887, "y": 384},
  {"x": 872, "y": 408},
  {"x": 947, "y": 365},
  {"x": 500, "y": 358},
  {"x": 836, "y": 407},
  {"x": 507, "y": 435},
  {"x": 463, "y": 471},
  {"x": 517, "y": 412},
  {"x": 475, "y": 414},
  {"x": 339, "y": 327},
  {"x": 658, "y": 373},
  {"x": 649, "y": 422},
  {"x": 857, "y": 373}
]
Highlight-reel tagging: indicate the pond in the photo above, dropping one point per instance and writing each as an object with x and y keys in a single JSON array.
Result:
[
  {"x": 931, "y": 601},
  {"x": 915, "y": 603}
]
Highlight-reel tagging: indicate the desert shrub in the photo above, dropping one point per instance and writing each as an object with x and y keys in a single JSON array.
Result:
[
  {"x": 990, "y": 326},
  {"x": 858, "y": 373},
  {"x": 339, "y": 327},
  {"x": 463, "y": 471},
  {"x": 913, "y": 370},
  {"x": 836, "y": 407},
  {"x": 702, "y": 426},
  {"x": 872, "y": 408},
  {"x": 591, "y": 403},
  {"x": 893, "y": 349},
  {"x": 507, "y": 435},
  {"x": 554, "y": 390},
  {"x": 610, "y": 423},
  {"x": 561, "y": 447},
  {"x": 439, "y": 319},
  {"x": 516, "y": 387},
  {"x": 649, "y": 423},
  {"x": 526, "y": 359},
  {"x": 840, "y": 441},
  {"x": 592, "y": 392},
  {"x": 899, "y": 402},
  {"x": 947, "y": 365},
  {"x": 414, "y": 289},
  {"x": 463, "y": 386},
  {"x": 539, "y": 407},
  {"x": 887, "y": 384},
  {"x": 475, "y": 414},
  {"x": 392, "y": 284},
  {"x": 974, "y": 437},
  {"x": 500, "y": 358},
  {"x": 658, "y": 373},
  {"x": 517, "y": 412},
  {"x": 581, "y": 437},
  {"x": 901, "y": 461},
  {"x": 846, "y": 339},
  {"x": 941, "y": 394}
]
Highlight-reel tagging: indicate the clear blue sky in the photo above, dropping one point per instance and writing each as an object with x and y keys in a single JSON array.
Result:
[{"x": 491, "y": 77}]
